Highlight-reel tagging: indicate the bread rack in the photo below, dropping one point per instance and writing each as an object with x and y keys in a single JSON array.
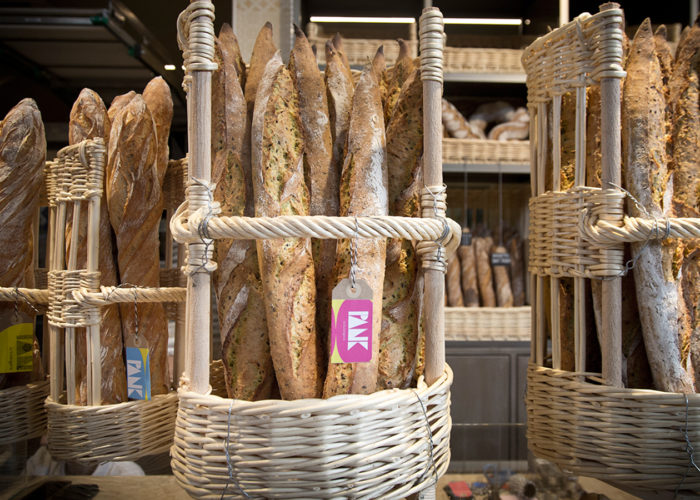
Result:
[
  {"x": 391, "y": 443},
  {"x": 588, "y": 423}
]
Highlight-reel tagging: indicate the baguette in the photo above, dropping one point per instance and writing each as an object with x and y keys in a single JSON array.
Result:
[
  {"x": 286, "y": 265},
  {"x": 517, "y": 269},
  {"x": 517, "y": 130},
  {"x": 89, "y": 120},
  {"x": 664, "y": 55},
  {"x": 160, "y": 103},
  {"x": 491, "y": 112},
  {"x": 135, "y": 208},
  {"x": 453, "y": 283},
  {"x": 339, "y": 89},
  {"x": 403, "y": 281},
  {"x": 263, "y": 50},
  {"x": 482, "y": 250},
  {"x": 322, "y": 177},
  {"x": 245, "y": 350},
  {"x": 22, "y": 157},
  {"x": 661, "y": 309},
  {"x": 363, "y": 191},
  {"x": 457, "y": 126},
  {"x": 396, "y": 76},
  {"x": 685, "y": 135},
  {"x": 470, "y": 288},
  {"x": 119, "y": 103},
  {"x": 504, "y": 293},
  {"x": 228, "y": 39},
  {"x": 338, "y": 45}
]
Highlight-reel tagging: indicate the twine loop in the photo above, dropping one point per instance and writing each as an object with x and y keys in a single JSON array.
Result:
[
  {"x": 432, "y": 41},
  {"x": 195, "y": 37},
  {"x": 434, "y": 253},
  {"x": 199, "y": 259}
]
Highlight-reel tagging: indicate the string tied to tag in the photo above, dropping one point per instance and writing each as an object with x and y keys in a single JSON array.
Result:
[
  {"x": 433, "y": 204},
  {"x": 688, "y": 449},
  {"x": 200, "y": 255},
  {"x": 353, "y": 256}
]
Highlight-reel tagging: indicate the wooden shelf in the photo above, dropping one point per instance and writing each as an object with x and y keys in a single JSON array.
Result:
[
  {"x": 491, "y": 77},
  {"x": 485, "y": 168}
]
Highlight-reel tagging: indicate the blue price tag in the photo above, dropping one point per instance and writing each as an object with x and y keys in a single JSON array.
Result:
[{"x": 138, "y": 373}]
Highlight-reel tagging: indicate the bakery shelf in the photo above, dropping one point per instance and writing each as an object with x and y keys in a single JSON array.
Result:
[
  {"x": 484, "y": 77},
  {"x": 486, "y": 168},
  {"x": 488, "y": 323},
  {"x": 514, "y": 155},
  {"x": 477, "y": 64}
]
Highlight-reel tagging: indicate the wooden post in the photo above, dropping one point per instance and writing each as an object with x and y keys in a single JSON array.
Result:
[
  {"x": 432, "y": 174},
  {"x": 57, "y": 263},
  {"x": 533, "y": 193},
  {"x": 611, "y": 155},
  {"x": 198, "y": 307},
  {"x": 556, "y": 186},
  {"x": 539, "y": 310},
  {"x": 72, "y": 265},
  {"x": 94, "y": 358}
]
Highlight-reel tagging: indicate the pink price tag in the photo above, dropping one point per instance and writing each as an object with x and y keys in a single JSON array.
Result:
[{"x": 351, "y": 329}]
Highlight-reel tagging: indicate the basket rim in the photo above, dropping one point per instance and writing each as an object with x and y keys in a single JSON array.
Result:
[
  {"x": 609, "y": 391},
  {"x": 31, "y": 386},
  {"x": 423, "y": 391},
  {"x": 158, "y": 398}
]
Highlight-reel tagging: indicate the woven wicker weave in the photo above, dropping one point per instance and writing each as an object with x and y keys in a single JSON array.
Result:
[
  {"x": 485, "y": 151},
  {"x": 355, "y": 446},
  {"x": 630, "y": 436},
  {"x": 488, "y": 323},
  {"x": 477, "y": 60},
  {"x": 123, "y": 431},
  {"x": 23, "y": 415}
]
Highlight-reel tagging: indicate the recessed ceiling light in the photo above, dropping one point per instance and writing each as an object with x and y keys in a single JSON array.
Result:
[
  {"x": 340, "y": 19},
  {"x": 483, "y": 20},
  {"x": 170, "y": 67}
]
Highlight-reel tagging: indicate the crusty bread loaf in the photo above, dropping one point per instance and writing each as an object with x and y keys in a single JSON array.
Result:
[
  {"x": 664, "y": 55},
  {"x": 646, "y": 176},
  {"x": 403, "y": 281},
  {"x": 263, "y": 50},
  {"x": 517, "y": 269},
  {"x": 516, "y": 130},
  {"x": 286, "y": 265},
  {"x": 245, "y": 349},
  {"x": 470, "y": 287},
  {"x": 457, "y": 126},
  {"x": 160, "y": 103},
  {"x": 685, "y": 134},
  {"x": 89, "y": 120},
  {"x": 228, "y": 39},
  {"x": 491, "y": 112},
  {"x": 321, "y": 176},
  {"x": 338, "y": 45},
  {"x": 482, "y": 251},
  {"x": 501, "y": 279},
  {"x": 119, "y": 103},
  {"x": 135, "y": 208},
  {"x": 339, "y": 90},
  {"x": 395, "y": 78},
  {"x": 453, "y": 282},
  {"x": 363, "y": 191},
  {"x": 22, "y": 157}
]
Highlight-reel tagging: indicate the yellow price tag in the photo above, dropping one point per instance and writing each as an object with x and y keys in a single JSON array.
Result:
[{"x": 16, "y": 348}]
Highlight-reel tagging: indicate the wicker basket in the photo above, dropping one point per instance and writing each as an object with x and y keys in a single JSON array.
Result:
[
  {"x": 588, "y": 423},
  {"x": 23, "y": 415},
  {"x": 634, "y": 437},
  {"x": 123, "y": 431},
  {"x": 96, "y": 433},
  {"x": 358, "y": 47},
  {"x": 484, "y": 151},
  {"x": 488, "y": 323},
  {"x": 353, "y": 446},
  {"x": 480, "y": 60}
]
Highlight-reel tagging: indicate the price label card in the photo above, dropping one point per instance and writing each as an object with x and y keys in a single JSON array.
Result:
[
  {"x": 17, "y": 348},
  {"x": 500, "y": 259},
  {"x": 466, "y": 239},
  {"x": 138, "y": 373},
  {"x": 351, "y": 329}
]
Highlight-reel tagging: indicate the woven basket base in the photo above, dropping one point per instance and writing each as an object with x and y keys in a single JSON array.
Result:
[
  {"x": 123, "y": 431},
  {"x": 374, "y": 446},
  {"x": 22, "y": 413},
  {"x": 628, "y": 437}
]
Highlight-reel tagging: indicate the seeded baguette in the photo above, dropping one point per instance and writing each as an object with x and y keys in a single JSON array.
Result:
[
  {"x": 685, "y": 134},
  {"x": 396, "y": 76},
  {"x": 647, "y": 178},
  {"x": 340, "y": 49},
  {"x": 339, "y": 89},
  {"x": 263, "y": 50},
  {"x": 286, "y": 265},
  {"x": 89, "y": 120},
  {"x": 245, "y": 347},
  {"x": 363, "y": 191},
  {"x": 321, "y": 173},
  {"x": 22, "y": 156},
  {"x": 135, "y": 208}
]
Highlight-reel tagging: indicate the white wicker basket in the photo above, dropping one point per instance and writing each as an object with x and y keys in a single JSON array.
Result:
[{"x": 488, "y": 323}]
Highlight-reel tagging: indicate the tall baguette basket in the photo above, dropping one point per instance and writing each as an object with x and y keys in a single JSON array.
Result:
[
  {"x": 390, "y": 444},
  {"x": 93, "y": 433},
  {"x": 588, "y": 423}
]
